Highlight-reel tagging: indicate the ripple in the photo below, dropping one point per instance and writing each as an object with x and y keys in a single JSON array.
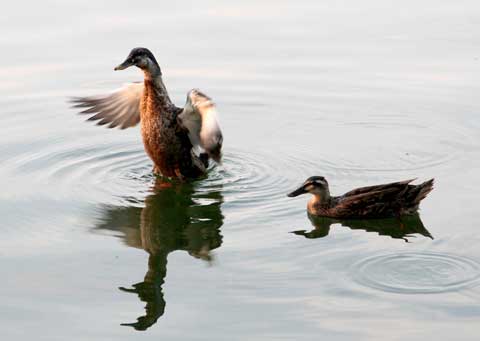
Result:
[
  {"x": 418, "y": 146},
  {"x": 389, "y": 144},
  {"x": 121, "y": 174},
  {"x": 257, "y": 181},
  {"x": 111, "y": 172},
  {"x": 417, "y": 273}
]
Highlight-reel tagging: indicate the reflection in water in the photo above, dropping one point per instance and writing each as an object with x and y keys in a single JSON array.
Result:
[
  {"x": 174, "y": 218},
  {"x": 398, "y": 228}
]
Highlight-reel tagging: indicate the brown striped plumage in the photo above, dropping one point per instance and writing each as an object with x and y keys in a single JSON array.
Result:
[
  {"x": 381, "y": 201},
  {"x": 165, "y": 140},
  {"x": 178, "y": 140}
]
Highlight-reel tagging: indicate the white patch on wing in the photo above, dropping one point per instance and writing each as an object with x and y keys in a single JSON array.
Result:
[
  {"x": 200, "y": 117},
  {"x": 210, "y": 133},
  {"x": 192, "y": 121}
]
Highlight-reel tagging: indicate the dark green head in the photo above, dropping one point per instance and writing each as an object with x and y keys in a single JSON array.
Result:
[{"x": 314, "y": 185}]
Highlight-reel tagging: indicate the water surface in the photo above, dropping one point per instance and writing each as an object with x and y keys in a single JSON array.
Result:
[{"x": 94, "y": 247}]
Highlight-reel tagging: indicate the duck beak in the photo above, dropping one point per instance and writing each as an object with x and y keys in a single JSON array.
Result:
[
  {"x": 124, "y": 65},
  {"x": 297, "y": 192}
]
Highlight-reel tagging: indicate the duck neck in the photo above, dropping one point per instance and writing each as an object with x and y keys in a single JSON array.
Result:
[
  {"x": 155, "y": 88},
  {"x": 151, "y": 70},
  {"x": 320, "y": 199}
]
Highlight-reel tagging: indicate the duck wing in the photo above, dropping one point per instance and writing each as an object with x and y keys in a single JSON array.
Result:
[
  {"x": 383, "y": 200},
  {"x": 120, "y": 108},
  {"x": 371, "y": 204},
  {"x": 200, "y": 117},
  {"x": 373, "y": 201},
  {"x": 363, "y": 190}
]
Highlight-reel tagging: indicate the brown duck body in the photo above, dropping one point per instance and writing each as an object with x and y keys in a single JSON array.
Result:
[
  {"x": 172, "y": 136},
  {"x": 380, "y": 201},
  {"x": 165, "y": 139}
]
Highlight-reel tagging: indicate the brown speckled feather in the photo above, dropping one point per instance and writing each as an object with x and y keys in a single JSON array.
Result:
[
  {"x": 386, "y": 200},
  {"x": 121, "y": 109},
  {"x": 380, "y": 201},
  {"x": 165, "y": 140}
]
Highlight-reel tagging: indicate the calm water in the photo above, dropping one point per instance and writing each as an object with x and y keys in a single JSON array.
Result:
[{"x": 360, "y": 92}]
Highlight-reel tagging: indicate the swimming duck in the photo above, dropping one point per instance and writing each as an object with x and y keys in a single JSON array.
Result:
[
  {"x": 178, "y": 140},
  {"x": 381, "y": 201}
]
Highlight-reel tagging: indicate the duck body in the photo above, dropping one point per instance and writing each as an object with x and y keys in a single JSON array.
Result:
[
  {"x": 381, "y": 201},
  {"x": 165, "y": 140},
  {"x": 179, "y": 141}
]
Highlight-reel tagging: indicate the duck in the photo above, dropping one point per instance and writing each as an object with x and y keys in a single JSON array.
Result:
[
  {"x": 179, "y": 141},
  {"x": 393, "y": 199}
]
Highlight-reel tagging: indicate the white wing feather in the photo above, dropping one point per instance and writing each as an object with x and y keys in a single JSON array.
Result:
[{"x": 200, "y": 117}]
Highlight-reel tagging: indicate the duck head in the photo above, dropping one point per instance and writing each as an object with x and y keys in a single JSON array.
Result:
[
  {"x": 143, "y": 59},
  {"x": 316, "y": 185}
]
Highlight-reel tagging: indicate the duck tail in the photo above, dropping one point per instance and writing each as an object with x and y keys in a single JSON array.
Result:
[
  {"x": 414, "y": 194},
  {"x": 423, "y": 190}
]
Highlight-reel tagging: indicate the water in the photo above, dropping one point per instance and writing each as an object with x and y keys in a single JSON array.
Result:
[
  {"x": 361, "y": 93},
  {"x": 417, "y": 273}
]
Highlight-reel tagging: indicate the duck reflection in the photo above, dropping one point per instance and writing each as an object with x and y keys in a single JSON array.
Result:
[
  {"x": 175, "y": 217},
  {"x": 398, "y": 228}
]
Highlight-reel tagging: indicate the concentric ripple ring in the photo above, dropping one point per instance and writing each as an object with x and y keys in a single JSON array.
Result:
[{"x": 417, "y": 273}]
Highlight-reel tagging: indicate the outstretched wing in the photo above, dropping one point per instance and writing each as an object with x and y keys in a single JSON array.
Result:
[
  {"x": 199, "y": 116},
  {"x": 121, "y": 108}
]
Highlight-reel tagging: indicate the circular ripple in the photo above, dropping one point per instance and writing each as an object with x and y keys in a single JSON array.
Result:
[
  {"x": 415, "y": 146},
  {"x": 107, "y": 172},
  {"x": 417, "y": 273},
  {"x": 388, "y": 144},
  {"x": 121, "y": 173},
  {"x": 259, "y": 182}
]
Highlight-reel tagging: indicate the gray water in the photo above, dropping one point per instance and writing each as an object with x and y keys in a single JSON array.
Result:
[{"x": 361, "y": 92}]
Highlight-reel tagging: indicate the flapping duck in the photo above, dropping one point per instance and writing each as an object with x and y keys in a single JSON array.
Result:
[
  {"x": 180, "y": 141},
  {"x": 381, "y": 201}
]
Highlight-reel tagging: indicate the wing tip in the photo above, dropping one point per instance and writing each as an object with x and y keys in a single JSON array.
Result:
[{"x": 199, "y": 98}]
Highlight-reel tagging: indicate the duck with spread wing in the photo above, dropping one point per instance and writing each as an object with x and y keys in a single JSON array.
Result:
[{"x": 180, "y": 141}]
